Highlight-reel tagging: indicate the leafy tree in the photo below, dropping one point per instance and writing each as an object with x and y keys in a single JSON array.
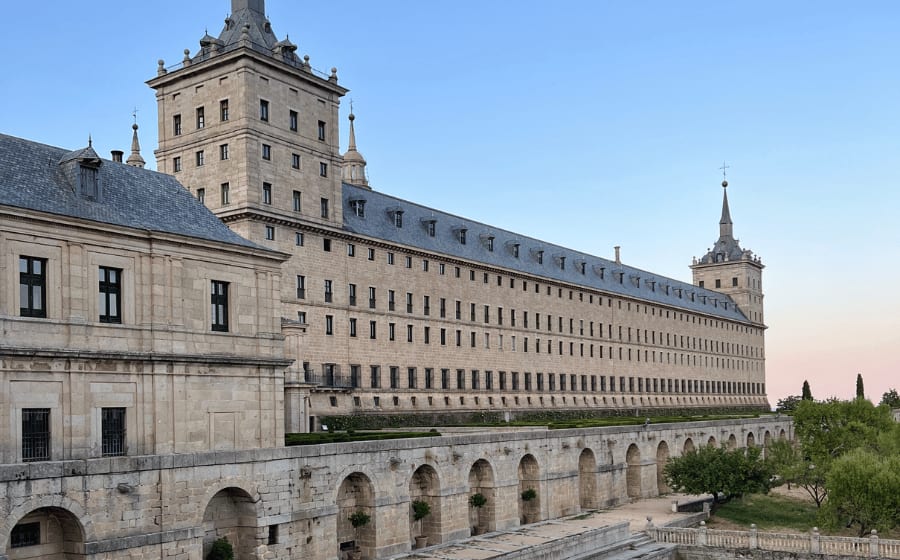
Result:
[
  {"x": 787, "y": 461},
  {"x": 221, "y": 550},
  {"x": 864, "y": 490},
  {"x": 807, "y": 394},
  {"x": 718, "y": 471},
  {"x": 891, "y": 398},
  {"x": 860, "y": 392},
  {"x": 788, "y": 404}
]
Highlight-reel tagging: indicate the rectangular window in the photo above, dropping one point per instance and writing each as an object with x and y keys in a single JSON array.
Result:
[
  {"x": 297, "y": 201},
  {"x": 32, "y": 287},
  {"x": 201, "y": 119},
  {"x": 329, "y": 325},
  {"x": 394, "y": 376},
  {"x": 110, "y": 303},
  {"x": 35, "y": 434},
  {"x": 301, "y": 287},
  {"x": 270, "y": 233},
  {"x": 176, "y": 125},
  {"x": 224, "y": 191},
  {"x": 223, "y": 110},
  {"x": 323, "y": 208},
  {"x": 409, "y": 302},
  {"x": 293, "y": 120},
  {"x": 352, "y": 293},
  {"x": 219, "y": 302},
  {"x": 25, "y": 534},
  {"x": 298, "y": 239},
  {"x": 409, "y": 333},
  {"x": 371, "y": 254},
  {"x": 371, "y": 297},
  {"x": 200, "y": 158},
  {"x": 329, "y": 294},
  {"x": 223, "y": 151},
  {"x": 201, "y": 195},
  {"x": 352, "y": 327},
  {"x": 408, "y": 262},
  {"x": 390, "y": 300},
  {"x": 426, "y": 305},
  {"x": 411, "y": 377},
  {"x": 263, "y": 110},
  {"x": 323, "y": 169},
  {"x": 321, "y": 130},
  {"x": 373, "y": 330},
  {"x": 112, "y": 432},
  {"x": 351, "y": 250},
  {"x": 295, "y": 161},
  {"x": 267, "y": 193},
  {"x": 392, "y": 331},
  {"x": 375, "y": 376},
  {"x": 176, "y": 164},
  {"x": 267, "y": 152}
]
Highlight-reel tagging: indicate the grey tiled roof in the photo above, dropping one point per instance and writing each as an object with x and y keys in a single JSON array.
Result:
[
  {"x": 378, "y": 223},
  {"x": 43, "y": 178}
]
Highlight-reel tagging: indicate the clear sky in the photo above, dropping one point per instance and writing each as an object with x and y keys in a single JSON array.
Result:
[{"x": 585, "y": 123}]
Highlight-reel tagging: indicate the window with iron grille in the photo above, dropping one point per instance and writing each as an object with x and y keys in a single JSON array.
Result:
[
  {"x": 32, "y": 287},
  {"x": 35, "y": 434},
  {"x": 110, "y": 295},
  {"x": 219, "y": 305},
  {"x": 25, "y": 534},
  {"x": 113, "y": 432}
]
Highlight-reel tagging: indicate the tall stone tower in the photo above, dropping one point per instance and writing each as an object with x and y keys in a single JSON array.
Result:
[
  {"x": 729, "y": 269},
  {"x": 252, "y": 129}
]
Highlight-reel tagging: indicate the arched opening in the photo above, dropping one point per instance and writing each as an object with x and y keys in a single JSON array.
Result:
[
  {"x": 782, "y": 435},
  {"x": 424, "y": 486},
  {"x": 587, "y": 480},
  {"x": 688, "y": 446},
  {"x": 751, "y": 440},
  {"x": 231, "y": 514},
  {"x": 711, "y": 441},
  {"x": 633, "y": 471},
  {"x": 356, "y": 498},
  {"x": 732, "y": 442},
  {"x": 529, "y": 490},
  {"x": 767, "y": 438},
  {"x": 48, "y": 532},
  {"x": 481, "y": 483},
  {"x": 662, "y": 457}
]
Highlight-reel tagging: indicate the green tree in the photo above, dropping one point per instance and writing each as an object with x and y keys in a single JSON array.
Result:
[
  {"x": 786, "y": 460},
  {"x": 891, "y": 398},
  {"x": 864, "y": 490},
  {"x": 788, "y": 404},
  {"x": 806, "y": 394},
  {"x": 860, "y": 392},
  {"x": 723, "y": 473}
]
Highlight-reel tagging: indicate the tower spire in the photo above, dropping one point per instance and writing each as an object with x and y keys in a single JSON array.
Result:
[
  {"x": 135, "y": 159},
  {"x": 354, "y": 170},
  {"x": 725, "y": 225}
]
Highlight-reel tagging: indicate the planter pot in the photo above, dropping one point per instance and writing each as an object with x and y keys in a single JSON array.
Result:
[
  {"x": 478, "y": 530},
  {"x": 531, "y": 518},
  {"x": 421, "y": 541}
]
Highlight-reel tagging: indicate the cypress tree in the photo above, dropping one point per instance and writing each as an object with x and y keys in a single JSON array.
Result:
[
  {"x": 860, "y": 393},
  {"x": 807, "y": 394}
]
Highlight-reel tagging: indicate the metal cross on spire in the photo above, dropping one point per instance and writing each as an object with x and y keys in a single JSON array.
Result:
[
  {"x": 134, "y": 114},
  {"x": 724, "y": 168}
]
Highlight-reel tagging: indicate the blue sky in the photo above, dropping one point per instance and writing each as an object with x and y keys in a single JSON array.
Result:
[{"x": 589, "y": 124}]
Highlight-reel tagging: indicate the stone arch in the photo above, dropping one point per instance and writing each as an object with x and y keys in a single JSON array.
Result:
[
  {"x": 633, "y": 471},
  {"x": 662, "y": 457},
  {"x": 425, "y": 486},
  {"x": 529, "y": 479},
  {"x": 688, "y": 446},
  {"x": 356, "y": 494},
  {"x": 231, "y": 513},
  {"x": 55, "y": 502},
  {"x": 711, "y": 441},
  {"x": 767, "y": 438},
  {"x": 782, "y": 434},
  {"x": 732, "y": 442},
  {"x": 751, "y": 440},
  {"x": 587, "y": 479},
  {"x": 481, "y": 481},
  {"x": 45, "y": 532}
]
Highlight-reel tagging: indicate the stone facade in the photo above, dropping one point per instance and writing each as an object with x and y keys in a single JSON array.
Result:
[
  {"x": 294, "y": 502},
  {"x": 406, "y": 315}
]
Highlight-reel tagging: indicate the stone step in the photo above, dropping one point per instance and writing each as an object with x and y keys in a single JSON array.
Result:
[{"x": 637, "y": 547}]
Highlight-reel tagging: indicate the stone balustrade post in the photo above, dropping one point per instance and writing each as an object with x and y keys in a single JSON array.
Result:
[
  {"x": 754, "y": 536},
  {"x": 873, "y": 544},
  {"x": 701, "y": 534},
  {"x": 814, "y": 541}
]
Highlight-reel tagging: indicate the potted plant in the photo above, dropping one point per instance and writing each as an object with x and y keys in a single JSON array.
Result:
[
  {"x": 528, "y": 496},
  {"x": 477, "y": 501},
  {"x": 420, "y": 510},
  {"x": 221, "y": 550},
  {"x": 358, "y": 519}
]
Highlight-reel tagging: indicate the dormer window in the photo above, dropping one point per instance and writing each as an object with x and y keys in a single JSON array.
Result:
[
  {"x": 359, "y": 207},
  {"x": 89, "y": 182},
  {"x": 581, "y": 266},
  {"x": 488, "y": 241},
  {"x": 539, "y": 256},
  {"x": 430, "y": 227},
  {"x": 561, "y": 261},
  {"x": 513, "y": 249},
  {"x": 398, "y": 218},
  {"x": 600, "y": 271},
  {"x": 461, "y": 235}
]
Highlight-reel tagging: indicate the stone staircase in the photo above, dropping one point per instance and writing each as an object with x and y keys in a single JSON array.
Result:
[{"x": 638, "y": 546}]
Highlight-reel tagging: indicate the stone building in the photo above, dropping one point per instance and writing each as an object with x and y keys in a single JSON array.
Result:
[{"x": 405, "y": 309}]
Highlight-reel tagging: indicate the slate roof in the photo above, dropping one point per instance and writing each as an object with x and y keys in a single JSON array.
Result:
[
  {"x": 378, "y": 223},
  {"x": 42, "y": 178}
]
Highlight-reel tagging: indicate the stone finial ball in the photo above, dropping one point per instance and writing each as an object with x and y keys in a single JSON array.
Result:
[
  {"x": 161, "y": 62},
  {"x": 724, "y": 184}
]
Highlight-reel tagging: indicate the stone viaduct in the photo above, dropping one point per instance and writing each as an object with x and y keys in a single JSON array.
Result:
[{"x": 294, "y": 502}]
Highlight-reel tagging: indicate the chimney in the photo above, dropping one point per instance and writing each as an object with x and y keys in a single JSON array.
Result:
[
  {"x": 117, "y": 155},
  {"x": 618, "y": 256}
]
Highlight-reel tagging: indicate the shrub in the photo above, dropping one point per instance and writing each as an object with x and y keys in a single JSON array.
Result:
[
  {"x": 420, "y": 509},
  {"x": 221, "y": 550},
  {"x": 477, "y": 500},
  {"x": 529, "y": 495},
  {"x": 359, "y": 519}
]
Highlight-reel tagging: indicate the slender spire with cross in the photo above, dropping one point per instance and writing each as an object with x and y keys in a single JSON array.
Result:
[{"x": 724, "y": 168}]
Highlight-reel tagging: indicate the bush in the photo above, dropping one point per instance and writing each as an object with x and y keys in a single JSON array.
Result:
[
  {"x": 420, "y": 509},
  {"x": 477, "y": 500},
  {"x": 529, "y": 495},
  {"x": 221, "y": 550},
  {"x": 359, "y": 519},
  {"x": 317, "y": 438}
]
